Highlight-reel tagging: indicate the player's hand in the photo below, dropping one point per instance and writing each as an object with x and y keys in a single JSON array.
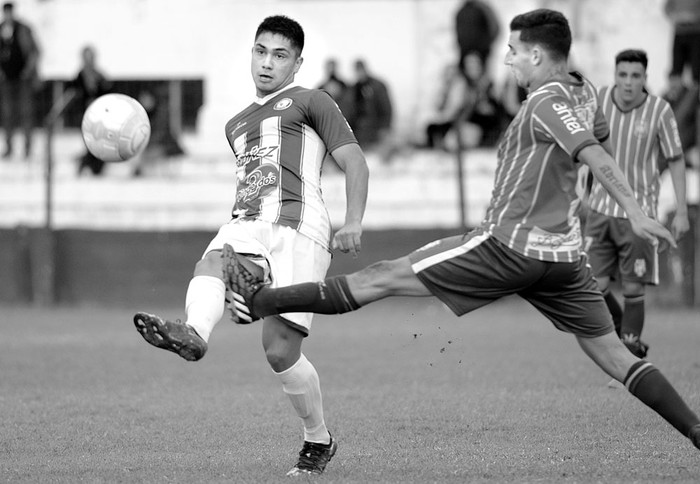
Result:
[
  {"x": 652, "y": 231},
  {"x": 347, "y": 239},
  {"x": 680, "y": 225}
]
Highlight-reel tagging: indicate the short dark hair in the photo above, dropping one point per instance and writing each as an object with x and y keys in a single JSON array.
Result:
[
  {"x": 632, "y": 55},
  {"x": 284, "y": 26},
  {"x": 8, "y": 6},
  {"x": 548, "y": 28}
]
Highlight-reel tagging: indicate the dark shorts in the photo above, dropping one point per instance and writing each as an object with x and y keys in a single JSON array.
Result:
[
  {"x": 469, "y": 271},
  {"x": 613, "y": 248}
]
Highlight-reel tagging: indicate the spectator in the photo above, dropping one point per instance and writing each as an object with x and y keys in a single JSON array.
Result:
[
  {"x": 334, "y": 85},
  {"x": 448, "y": 109},
  {"x": 477, "y": 28},
  {"x": 484, "y": 117},
  {"x": 89, "y": 84},
  {"x": 512, "y": 97},
  {"x": 372, "y": 112},
  {"x": 163, "y": 144},
  {"x": 19, "y": 78}
]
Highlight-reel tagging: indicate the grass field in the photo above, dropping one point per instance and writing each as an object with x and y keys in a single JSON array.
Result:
[{"x": 412, "y": 393}]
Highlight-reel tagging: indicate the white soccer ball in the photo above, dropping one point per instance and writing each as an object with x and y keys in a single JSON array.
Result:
[{"x": 115, "y": 127}]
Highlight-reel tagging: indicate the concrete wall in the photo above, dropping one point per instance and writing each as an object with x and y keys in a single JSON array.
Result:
[{"x": 144, "y": 270}]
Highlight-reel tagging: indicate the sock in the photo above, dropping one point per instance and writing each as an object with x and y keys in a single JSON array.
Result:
[
  {"x": 614, "y": 308},
  {"x": 633, "y": 316},
  {"x": 331, "y": 296},
  {"x": 646, "y": 382},
  {"x": 301, "y": 384},
  {"x": 204, "y": 304}
]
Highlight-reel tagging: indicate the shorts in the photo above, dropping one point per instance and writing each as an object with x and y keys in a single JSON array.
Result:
[
  {"x": 469, "y": 271},
  {"x": 293, "y": 258},
  {"x": 613, "y": 248}
]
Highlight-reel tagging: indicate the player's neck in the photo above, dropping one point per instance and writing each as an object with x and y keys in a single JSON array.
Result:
[{"x": 557, "y": 72}]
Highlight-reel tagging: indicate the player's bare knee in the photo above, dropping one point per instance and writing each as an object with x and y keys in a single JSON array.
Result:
[{"x": 632, "y": 288}]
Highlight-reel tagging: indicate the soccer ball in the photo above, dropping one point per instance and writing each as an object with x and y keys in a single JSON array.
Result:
[{"x": 115, "y": 127}]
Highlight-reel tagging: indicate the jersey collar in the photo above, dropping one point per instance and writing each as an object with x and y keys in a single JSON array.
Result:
[{"x": 263, "y": 100}]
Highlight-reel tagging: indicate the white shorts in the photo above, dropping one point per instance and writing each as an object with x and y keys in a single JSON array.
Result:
[{"x": 293, "y": 257}]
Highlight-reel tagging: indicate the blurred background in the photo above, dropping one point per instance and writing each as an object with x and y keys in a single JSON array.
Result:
[{"x": 74, "y": 231}]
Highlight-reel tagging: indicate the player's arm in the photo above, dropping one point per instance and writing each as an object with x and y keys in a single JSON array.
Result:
[
  {"x": 608, "y": 173},
  {"x": 680, "y": 223},
  {"x": 351, "y": 160}
]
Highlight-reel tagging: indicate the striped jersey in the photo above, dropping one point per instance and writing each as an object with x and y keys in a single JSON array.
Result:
[
  {"x": 534, "y": 206},
  {"x": 641, "y": 137},
  {"x": 280, "y": 142}
]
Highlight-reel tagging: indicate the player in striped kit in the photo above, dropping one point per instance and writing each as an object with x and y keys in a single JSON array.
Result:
[
  {"x": 529, "y": 242},
  {"x": 279, "y": 221},
  {"x": 643, "y": 137}
]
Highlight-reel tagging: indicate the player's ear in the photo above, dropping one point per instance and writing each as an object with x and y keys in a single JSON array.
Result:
[
  {"x": 536, "y": 56},
  {"x": 298, "y": 63}
]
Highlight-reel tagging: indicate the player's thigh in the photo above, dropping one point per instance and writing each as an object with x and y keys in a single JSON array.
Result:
[
  {"x": 639, "y": 260},
  {"x": 469, "y": 271},
  {"x": 295, "y": 259},
  {"x": 568, "y": 295},
  {"x": 599, "y": 244}
]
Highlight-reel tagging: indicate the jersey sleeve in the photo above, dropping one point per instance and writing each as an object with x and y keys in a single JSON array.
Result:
[
  {"x": 554, "y": 118},
  {"x": 669, "y": 137},
  {"x": 329, "y": 122}
]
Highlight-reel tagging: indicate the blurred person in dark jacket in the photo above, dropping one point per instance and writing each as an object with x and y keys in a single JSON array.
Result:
[
  {"x": 19, "y": 78},
  {"x": 372, "y": 112},
  {"x": 477, "y": 27}
]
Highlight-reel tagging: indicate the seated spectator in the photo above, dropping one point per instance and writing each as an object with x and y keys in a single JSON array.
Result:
[
  {"x": 449, "y": 107},
  {"x": 484, "y": 117},
  {"x": 512, "y": 97},
  {"x": 89, "y": 84}
]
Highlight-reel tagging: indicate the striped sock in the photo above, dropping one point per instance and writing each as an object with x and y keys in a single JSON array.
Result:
[{"x": 646, "y": 382}]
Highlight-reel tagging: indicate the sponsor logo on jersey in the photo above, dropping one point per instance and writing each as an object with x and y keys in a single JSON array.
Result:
[
  {"x": 640, "y": 267},
  {"x": 255, "y": 153},
  {"x": 568, "y": 117},
  {"x": 282, "y": 104},
  {"x": 258, "y": 183}
]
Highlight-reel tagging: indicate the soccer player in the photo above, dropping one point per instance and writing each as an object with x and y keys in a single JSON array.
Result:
[
  {"x": 280, "y": 221},
  {"x": 529, "y": 242},
  {"x": 643, "y": 137}
]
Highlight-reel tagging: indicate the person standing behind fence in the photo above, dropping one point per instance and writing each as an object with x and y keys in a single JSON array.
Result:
[
  {"x": 19, "y": 78},
  {"x": 643, "y": 135}
]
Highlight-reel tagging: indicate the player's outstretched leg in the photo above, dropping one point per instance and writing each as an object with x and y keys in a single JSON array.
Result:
[
  {"x": 313, "y": 458},
  {"x": 242, "y": 284},
  {"x": 172, "y": 336}
]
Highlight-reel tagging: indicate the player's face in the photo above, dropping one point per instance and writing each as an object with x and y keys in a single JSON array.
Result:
[
  {"x": 274, "y": 63},
  {"x": 519, "y": 59},
  {"x": 630, "y": 78}
]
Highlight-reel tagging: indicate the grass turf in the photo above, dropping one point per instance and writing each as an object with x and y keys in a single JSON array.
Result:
[{"x": 412, "y": 393}]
